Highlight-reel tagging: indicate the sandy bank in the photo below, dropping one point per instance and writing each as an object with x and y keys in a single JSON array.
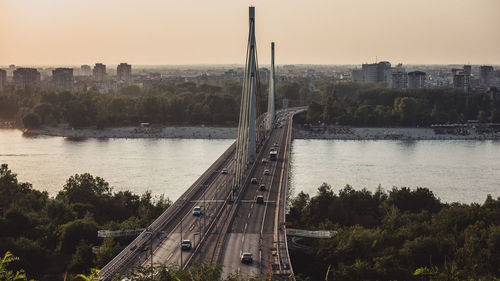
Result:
[
  {"x": 348, "y": 133},
  {"x": 138, "y": 132}
]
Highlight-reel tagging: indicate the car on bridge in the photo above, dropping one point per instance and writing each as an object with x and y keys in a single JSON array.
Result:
[
  {"x": 224, "y": 171},
  {"x": 197, "y": 211},
  {"x": 186, "y": 244},
  {"x": 246, "y": 257},
  {"x": 254, "y": 181},
  {"x": 267, "y": 172},
  {"x": 262, "y": 187},
  {"x": 264, "y": 160},
  {"x": 259, "y": 199}
]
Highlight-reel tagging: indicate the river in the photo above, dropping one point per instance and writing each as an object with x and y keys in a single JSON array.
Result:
[{"x": 456, "y": 171}]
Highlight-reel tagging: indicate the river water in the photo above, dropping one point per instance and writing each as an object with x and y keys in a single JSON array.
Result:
[{"x": 456, "y": 171}]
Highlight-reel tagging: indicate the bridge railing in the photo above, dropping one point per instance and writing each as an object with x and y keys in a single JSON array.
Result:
[{"x": 285, "y": 264}]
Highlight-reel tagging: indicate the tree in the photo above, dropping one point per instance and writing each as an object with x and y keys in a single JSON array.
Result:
[
  {"x": 132, "y": 90},
  {"x": 75, "y": 113},
  {"x": 108, "y": 250},
  {"x": 82, "y": 257},
  {"x": 7, "y": 274},
  {"x": 91, "y": 277},
  {"x": 481, "y": 116},
  {"x": 44, "y": 110},
  {"x": 74, "y": 233},
  {"x": 31, "y": 121}
]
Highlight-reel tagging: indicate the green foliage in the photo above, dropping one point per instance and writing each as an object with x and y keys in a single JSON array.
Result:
[
  {"x": 400, "y": 235},
  {"x": 31, "y": 121},
  {"x": 371, "y": 104},
  {"x": 7, "y": 274},
  {"x": 162, "y": 103},
  {"x": 108, "y": 250},
  {"x": 92, "y": 275},
  {"x": 56, "y": 235}
]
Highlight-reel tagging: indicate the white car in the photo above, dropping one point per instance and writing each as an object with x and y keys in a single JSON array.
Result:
[
  {"x": 197, "y": 211},
  {"x": 267, "y": 172},
  {"x": 224, "y": 171}
]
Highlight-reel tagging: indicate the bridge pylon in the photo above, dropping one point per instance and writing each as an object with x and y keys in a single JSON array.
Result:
[
  {"x": 272, "y": 93},
  {"x": 247, "y": 132}
]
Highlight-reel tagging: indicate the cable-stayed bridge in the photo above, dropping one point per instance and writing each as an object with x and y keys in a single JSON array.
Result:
[{"x": 241, "y": 197}]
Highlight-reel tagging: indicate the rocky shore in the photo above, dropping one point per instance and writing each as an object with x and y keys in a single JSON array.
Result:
[
  {"x": 140, "y": 132},
  {"x": 333, "y": 132},
  {"x": 395, "y": 133}
]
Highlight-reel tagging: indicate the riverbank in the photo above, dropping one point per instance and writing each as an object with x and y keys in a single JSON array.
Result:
[
  {"x": 348, "y": 133},
  {"x": 331, "y": 132},
  {"x": 140, "y": 132}
]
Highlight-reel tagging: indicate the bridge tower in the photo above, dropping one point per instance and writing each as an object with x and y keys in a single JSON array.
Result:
[
  {"x": 272, "y": 92},
  {"x": 247, "y": 132}
]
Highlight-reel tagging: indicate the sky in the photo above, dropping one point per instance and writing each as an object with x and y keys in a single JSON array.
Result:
[{"x": 159, "y": 32}]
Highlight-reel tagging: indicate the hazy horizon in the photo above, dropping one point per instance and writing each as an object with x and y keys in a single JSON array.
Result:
[{"x": 325, "y": 32}]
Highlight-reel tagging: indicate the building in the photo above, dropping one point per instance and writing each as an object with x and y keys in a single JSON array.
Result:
[
  {"x": 357, "y": 75},
  {"x": 376, "y": 72},
  {"x": 461, "y": 80},
  {"x": 26, "y": 78},
  {"x": 264, "y": 75},
  {"x": 370, "y": 72},
  {"x": 486, "y": 73},
  {"x": 3, "y": 79},
  {"x": 494, "y": 94},
  {"x": 62, "y": 79},
  {"x": 124, "y": 73},
  {"x": 399, "y": 79},
  {"x": 416, "y": 79},
  {"x": 99, "y": 72},
  {"x": 85, "y": 70},
  {"x": 468, "y": 70}
]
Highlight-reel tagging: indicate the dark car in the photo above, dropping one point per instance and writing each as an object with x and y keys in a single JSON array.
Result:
[
  {"x": 254, "y": 181},
  {"x": 246, "y": 258},
  {"x": 259, "y": 199},
  {"x": 186, "y": 244},
  {"x": 262, "y": 187}
]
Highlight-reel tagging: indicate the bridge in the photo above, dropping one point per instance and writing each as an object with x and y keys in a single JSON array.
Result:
[{"x": 241, "y": 197}]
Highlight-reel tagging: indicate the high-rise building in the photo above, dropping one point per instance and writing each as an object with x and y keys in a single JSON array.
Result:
[
  {"x": 399, "y": 79},
  {"x": 467, "y": 69},
  {"x": 370, "y": 72},
  {"x": 376, "y": 72},
  {"x": 10, "y": 71},
  {"x": 62, "y": 78},
  {"x": 99, "y": 72},
  {"x": 85, "y": 70},
  {"x": 416, "y": 79},
  {"x": 3, "y": 79},
  {"x": 486, "y": 73},
  {"x": 26, "y": 78},
  {"x": 124, "y": 72},
  {"x": 383, "y": 71},
  {"x": 461, "y": 80}
]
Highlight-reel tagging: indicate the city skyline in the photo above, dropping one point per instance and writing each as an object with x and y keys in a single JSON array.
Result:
[{"x": 152, "y": 32}]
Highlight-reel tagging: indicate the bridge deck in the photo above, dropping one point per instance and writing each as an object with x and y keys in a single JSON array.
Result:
[{"x": 225, "y": 229}]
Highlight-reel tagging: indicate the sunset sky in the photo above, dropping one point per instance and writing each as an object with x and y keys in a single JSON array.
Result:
[{"x": 73, "y": 32}]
